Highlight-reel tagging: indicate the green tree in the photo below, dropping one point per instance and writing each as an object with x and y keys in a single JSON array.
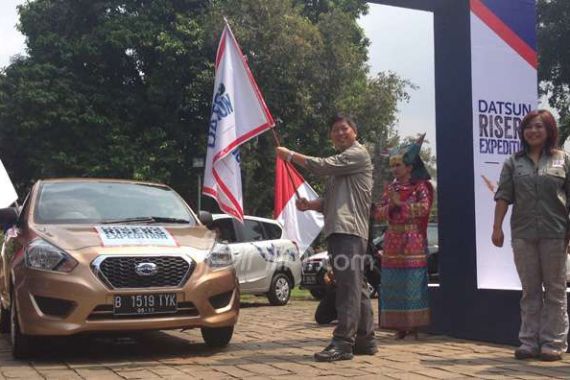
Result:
[
  {"x": 123, "y": 88},
  {"x": 554, "y": 58},
  {"x": 109, "y": 88}
]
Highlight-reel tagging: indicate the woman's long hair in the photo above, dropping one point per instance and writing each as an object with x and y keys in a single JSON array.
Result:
[{"x": 551, "y": 143}]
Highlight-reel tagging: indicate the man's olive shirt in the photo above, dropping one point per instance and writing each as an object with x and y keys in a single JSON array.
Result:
[
  {"x": 539, "y": 194},
  {"x": 348, "y": 190}
]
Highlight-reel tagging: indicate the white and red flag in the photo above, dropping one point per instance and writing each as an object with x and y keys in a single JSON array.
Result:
[
  {"x": 300, "y": 226},
  {"x": 239, "y": 113}
]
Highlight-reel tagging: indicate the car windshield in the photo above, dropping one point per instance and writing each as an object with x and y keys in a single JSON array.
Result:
[{"x": 109, "y": 202}]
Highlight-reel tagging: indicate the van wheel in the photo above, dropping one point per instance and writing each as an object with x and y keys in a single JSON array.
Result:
[
  {"x": 217, "y": 336},
  {"x": 4, "y": 319},
  {"x": 22, "y": 345},
  {"x": 280, "y": 290}
]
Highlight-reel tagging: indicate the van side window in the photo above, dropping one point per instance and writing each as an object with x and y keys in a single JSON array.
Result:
[
  {"x": 252, "y": 231},
  {"x": 224, "y": 229},
  {"x": 272, "y": 231}
]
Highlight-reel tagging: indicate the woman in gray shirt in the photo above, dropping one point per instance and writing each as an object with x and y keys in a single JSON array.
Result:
[{"x": 536, "y": 181}]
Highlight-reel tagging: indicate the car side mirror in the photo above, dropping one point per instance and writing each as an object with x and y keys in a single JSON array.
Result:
[
  {"x": 8, "y": 216},
  {"x": 205, "y": 218}
]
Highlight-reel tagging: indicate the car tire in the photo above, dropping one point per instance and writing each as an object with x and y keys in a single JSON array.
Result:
[
  {"x": 217, "y": 336},
  {"x": 22, "y": 345},
  {"x": 280, "y": 290},
  {"x": 4, "y": 320},
  {"x": 317, "y": 293}
]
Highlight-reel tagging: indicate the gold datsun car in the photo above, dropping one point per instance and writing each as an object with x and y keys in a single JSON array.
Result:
[{"x": 91, "y": 255}]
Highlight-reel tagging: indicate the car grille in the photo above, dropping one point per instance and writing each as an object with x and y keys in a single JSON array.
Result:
[{"x": 119, "y": 272}]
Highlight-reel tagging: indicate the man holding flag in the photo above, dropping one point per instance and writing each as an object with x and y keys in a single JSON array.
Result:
[{"x": 346, "y": 210}]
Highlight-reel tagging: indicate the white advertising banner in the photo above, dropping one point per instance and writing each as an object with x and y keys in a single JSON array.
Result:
[
  {"x": 239, "y": 113},
  {"x": 7, "y": 192},
  {"x": 504, "y": 89}
]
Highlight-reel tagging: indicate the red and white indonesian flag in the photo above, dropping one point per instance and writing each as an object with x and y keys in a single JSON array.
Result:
[
  {"x": 7, "y": 192},
  {"x": 239, "y": 113},
  {"x": 300, "y": 226}
]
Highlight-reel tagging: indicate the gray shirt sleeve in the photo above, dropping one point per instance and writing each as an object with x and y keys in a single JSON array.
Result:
[
  {"x": 506, "y": 190},
  {"x": 353, "y": 160}
]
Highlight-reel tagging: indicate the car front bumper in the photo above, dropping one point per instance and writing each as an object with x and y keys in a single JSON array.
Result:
[{"x": 52, "y": 303}]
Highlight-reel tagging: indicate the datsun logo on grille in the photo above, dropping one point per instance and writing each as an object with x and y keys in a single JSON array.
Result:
[{"x": 146, "y": 269}]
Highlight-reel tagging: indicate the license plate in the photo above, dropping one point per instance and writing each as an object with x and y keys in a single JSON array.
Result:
[
  {"x": 142, "y": 304},
  {"x": 309, "y": 279}
]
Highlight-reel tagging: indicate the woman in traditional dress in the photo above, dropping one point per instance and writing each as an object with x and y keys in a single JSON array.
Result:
[{"x": 405, "y": 205}]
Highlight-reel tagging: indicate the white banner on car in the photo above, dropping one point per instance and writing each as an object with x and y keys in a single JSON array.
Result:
[
  {"x": 120, "y": 235},
  {"x": 504, "y": 77},
  {"x": 7, "y": 192}
]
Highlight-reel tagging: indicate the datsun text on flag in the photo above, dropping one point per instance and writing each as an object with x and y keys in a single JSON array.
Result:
[{"x": 239, "y": 113}]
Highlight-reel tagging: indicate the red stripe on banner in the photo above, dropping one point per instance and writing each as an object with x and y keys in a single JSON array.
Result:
[
  {"x": 285, "y": 184},
  {"x": 268, "y": 115},
  {"x": 504, "y": 32},
  {"x": 208, "y": 191},
  {"x": 237, "y": 142},
  {"x": 221, "y": 48},
  {"x": 227, "y": 192}
]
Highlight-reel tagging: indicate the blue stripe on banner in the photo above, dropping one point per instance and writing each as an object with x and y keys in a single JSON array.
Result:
[{"x": 519, "y": 15}]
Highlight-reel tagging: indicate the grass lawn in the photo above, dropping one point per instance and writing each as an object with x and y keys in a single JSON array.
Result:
[
  {"x": 296, "y": 294},
  {"x": 301, "y": 294}
]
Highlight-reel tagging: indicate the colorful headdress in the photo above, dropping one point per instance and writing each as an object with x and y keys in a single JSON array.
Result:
[{"x": 410, "y": 155}]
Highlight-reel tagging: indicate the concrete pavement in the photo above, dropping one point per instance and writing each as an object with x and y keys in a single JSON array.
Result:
[{"x": 270, "y": 342}]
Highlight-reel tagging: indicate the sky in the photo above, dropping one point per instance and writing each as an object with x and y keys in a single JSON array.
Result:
[
  {"x": 401, "y": 42},
  {"x": 12, "y": 40}
]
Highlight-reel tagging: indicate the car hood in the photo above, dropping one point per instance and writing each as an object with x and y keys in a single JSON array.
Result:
[
  {"x": 79, "y": 238},
  {"x": 319, "y": 256}
]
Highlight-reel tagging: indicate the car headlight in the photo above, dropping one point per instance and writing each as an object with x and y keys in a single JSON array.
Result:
[
  {"x": 220, "y": 256},
  {"x": 42, "y": 255}
]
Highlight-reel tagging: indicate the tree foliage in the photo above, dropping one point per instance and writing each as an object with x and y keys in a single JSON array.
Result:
[
  {"x": 554, "y": 67},
  {"x": 123, "y": 88}
]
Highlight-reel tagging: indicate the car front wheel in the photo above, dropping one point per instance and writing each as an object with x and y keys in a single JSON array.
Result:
[
  {"x": 280, "y": 290},
  {"x": 217, "y": 336},
  {"x": 22, "y": 345}
]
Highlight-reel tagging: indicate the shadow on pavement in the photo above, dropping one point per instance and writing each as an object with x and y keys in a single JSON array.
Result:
[{"x": 117, "y": 347}]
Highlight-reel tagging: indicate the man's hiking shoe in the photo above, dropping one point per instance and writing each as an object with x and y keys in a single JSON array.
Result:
[{"x": 333, "y": 354}]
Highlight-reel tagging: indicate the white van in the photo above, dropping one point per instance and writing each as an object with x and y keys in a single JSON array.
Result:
[{"x": 265, "y": 262}]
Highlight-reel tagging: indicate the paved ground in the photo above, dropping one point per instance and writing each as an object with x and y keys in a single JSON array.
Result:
[{"x": 271, "y": 342}]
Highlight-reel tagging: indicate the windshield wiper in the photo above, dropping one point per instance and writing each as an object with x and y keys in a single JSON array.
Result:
[
  {"x": 164, "y": 219},
  {"x": 140, "y": 219},
  {"x": 146, "y": 219}
]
